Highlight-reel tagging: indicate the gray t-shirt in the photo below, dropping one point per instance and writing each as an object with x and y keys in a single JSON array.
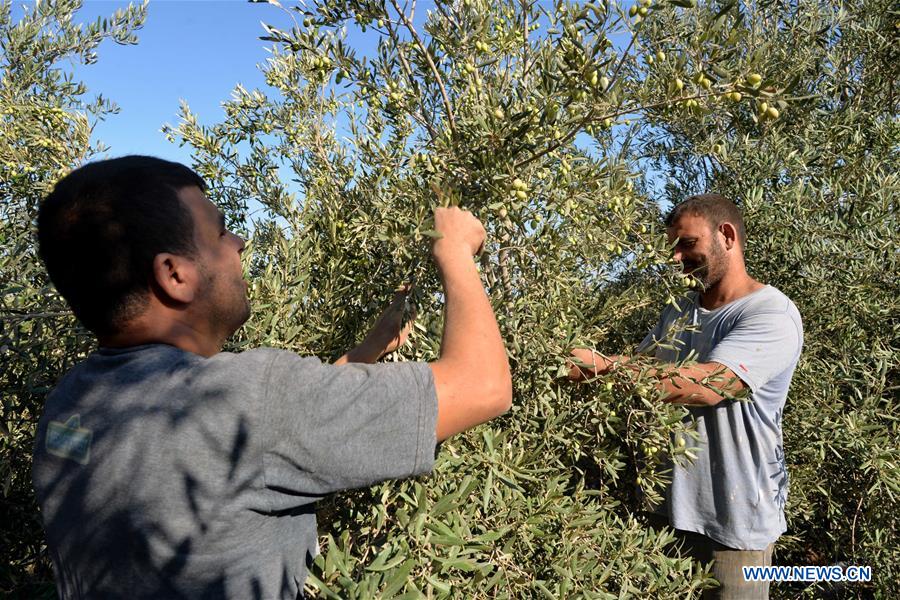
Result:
[
  {"x": 735, "y": 491},
  {"x": 164, "y": 474}
]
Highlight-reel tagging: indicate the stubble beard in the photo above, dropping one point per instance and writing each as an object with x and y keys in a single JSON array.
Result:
[
  {"x": 229, "y": 307},
  {"x": 715, "y": 266}
]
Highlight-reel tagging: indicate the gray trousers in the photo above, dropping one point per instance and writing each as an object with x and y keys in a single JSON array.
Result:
[{"x": 726, "y": 563}]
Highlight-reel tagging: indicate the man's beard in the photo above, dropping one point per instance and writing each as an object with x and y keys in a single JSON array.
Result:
[
  {"x": 229, "y": 307},
  {"x": 712, "y": 270}
]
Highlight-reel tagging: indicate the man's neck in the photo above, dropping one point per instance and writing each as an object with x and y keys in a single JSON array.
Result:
[
  {"x": 732, "y": 286},
  {"x": 176, "y": 334}
]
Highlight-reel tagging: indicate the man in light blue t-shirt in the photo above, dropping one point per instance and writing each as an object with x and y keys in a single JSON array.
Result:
[{"x": 728, "y": 504}]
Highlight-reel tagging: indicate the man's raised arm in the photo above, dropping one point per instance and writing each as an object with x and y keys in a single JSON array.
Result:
[{"x": 472, "y": 376}]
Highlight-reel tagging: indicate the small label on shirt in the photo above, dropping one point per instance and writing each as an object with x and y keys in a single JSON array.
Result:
[{"x": 69, "y": 440}]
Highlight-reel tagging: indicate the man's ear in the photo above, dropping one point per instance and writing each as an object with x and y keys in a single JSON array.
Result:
[
  {"x": 730, "y": 233},
  {"x": 177, "y": 276}
]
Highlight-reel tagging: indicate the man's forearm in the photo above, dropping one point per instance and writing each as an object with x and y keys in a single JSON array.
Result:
[
  {"x": 471, "y": 335},
  {"x": 369, "y": 351},
  {"x": 680, "y": 388},
  {"x": 704, "y": 384}
]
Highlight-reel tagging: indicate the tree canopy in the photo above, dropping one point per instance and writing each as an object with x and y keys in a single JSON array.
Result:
[{"x": 567, "y": 128}]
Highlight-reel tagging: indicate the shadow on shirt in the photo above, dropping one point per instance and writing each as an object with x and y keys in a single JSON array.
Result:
[{"x": 171, "y": 502}]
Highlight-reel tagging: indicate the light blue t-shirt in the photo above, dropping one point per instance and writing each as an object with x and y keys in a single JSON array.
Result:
[{"x": 735, "y": 491}]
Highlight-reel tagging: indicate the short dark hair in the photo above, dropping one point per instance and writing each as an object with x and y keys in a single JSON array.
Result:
[
  {"x": 100, "y": 228},
  {"x": 715, "y": 208}
]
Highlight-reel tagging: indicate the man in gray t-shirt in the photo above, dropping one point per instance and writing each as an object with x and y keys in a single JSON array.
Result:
[
  {"x": 166, "y": 468},
  {"x": 728, "y": 504}
]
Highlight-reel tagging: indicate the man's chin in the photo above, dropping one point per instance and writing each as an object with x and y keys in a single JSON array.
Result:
[{"x": 240, "y": 317}]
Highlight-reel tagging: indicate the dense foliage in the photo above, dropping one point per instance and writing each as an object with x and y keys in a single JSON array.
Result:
[{"x": 562, "y": 126}]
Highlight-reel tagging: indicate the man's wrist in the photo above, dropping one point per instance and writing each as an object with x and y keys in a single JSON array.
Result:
[
  {"x": 446, "y": 252},
  {"x": 369, "y": 351},
  {"x": 373, "y": 347}
]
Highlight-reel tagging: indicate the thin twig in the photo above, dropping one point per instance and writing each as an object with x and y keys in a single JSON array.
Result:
[
  {"x": 431, "y": 65},
  {"x": 853, "y": 527},
  {"x": 24, "y": 316},
  {"x": 450, "y": 18},
  {"x": 420, "y": 115},
  {"x": 524, "y": 35},
  {"x": 612, "y": 80}
]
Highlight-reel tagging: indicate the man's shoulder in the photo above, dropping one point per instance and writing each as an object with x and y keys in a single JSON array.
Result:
[
  {"x": 769, "y": 299},
  {"x": 162, "y": 359},
  {"x": 265, "y": 358},
  {"x": 262, "y": 356},
  {"x": 155, "y": 366},
  {"x": 765, "y": 311}
]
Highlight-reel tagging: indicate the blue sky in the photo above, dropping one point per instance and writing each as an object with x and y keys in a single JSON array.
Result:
[{"x": 196, "y": 51}]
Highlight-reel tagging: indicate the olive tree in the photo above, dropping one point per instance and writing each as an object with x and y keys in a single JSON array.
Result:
[{"x": 561, "y": 125}]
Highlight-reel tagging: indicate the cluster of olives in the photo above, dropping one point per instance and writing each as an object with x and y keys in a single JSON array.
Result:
[
  {"x": 395, "y": 94},
  {"x": 320, "y": 62},
  {"x": 518, "y": 189},
  {"x": 641, "y": 9},
  {"x": 652, "y": 58},
  {"x": 767, "y": 112}
]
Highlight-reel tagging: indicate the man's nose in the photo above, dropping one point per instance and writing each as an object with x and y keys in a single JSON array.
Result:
[{"x": 677, "y": 256}]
